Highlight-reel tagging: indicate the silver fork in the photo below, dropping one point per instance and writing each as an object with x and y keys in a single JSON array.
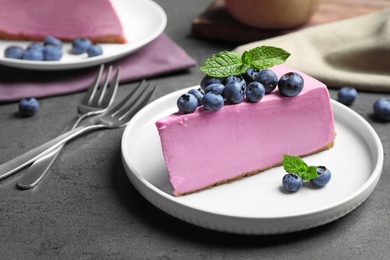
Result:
[
  {"x": 96, "y": 100},
  {"x": 115, "y": 117}
]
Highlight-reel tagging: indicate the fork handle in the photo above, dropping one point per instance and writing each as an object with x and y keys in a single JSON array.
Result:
[
  {"x": 41, "y": 166},
  {"x": 25, "y": 159}
]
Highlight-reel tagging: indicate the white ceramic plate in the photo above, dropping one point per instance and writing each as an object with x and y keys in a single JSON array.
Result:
[
  {"x": 257, "y": 204},
  {"x": 143, "y": 21}
]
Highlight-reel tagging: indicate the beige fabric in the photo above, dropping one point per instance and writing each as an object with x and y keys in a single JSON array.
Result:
[{"x": 354, "y": 52}]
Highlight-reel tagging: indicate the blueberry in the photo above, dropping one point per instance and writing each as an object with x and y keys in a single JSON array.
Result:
[
  {"x": 268, "y": 79},
  {"x": 28, "y": 107},
  {"x": 238, "y": 79},
  {"x": 187, "y": 103},
  {"x": 212, "y": 101},
  {"x": 14, "y": 52},
  {"x": 292, "y": 182},
  {"x": 52, "y": 53},
  {"x": 198, "y": 93},
  {"x": 32, "y": 55},
  {"x": 207, "y": 80},
  {"x": 290, "y": 84},
  {"x": 255, "y": 91},
  {"x": 347, "y": 95},
  {"x": 94, "y": 50},
  {"x": 323, "y": 178},
  {"x": 382, "y": 108},
  {"x": 51, "y": 40},
  {"x": 234, "y": 92},
  {"x": 215, "y": 87},
  {"x": 35, "y": 46},
  {"x": 250, "y": 75},
  {"x": 80, "y": 45}
]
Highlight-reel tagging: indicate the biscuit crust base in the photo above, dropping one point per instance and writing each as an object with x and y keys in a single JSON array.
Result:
[{"x": 98, "y": 39}]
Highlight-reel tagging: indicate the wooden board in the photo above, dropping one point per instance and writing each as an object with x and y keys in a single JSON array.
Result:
[{"x": 215, "y": 22}]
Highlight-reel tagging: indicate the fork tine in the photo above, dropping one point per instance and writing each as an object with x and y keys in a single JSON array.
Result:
[
  {"x": 131, "y": 101},
  {"x": 102, "y": 90},
  {"x": 92, "y": 89},
  {"x": 141, "y": 102},
  {"x": 108, "y": 98},
  {"x": 114, "y": 109}
]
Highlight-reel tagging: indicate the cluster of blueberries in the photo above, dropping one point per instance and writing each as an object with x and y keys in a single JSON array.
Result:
[
  {"x": 51, "y": 49},
  {"x": 253, "y": 85},
  {"x": 293, "y": 182}
]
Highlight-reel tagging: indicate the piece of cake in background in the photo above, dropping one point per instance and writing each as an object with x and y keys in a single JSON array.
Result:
[
  {"x": 208, "y": 148},
  {"x": 96, "y": 20}
]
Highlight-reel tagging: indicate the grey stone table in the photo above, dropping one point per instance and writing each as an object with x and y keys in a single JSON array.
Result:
[{"x": 86, "y": 208}]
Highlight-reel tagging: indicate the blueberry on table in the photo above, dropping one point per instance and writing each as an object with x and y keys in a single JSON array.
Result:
[
  {"x": 33, "y": 55},
  {"x": 292, "y": 182},
  {"x": 80, "y": 45},
  {"x": 324, "y": 176},
  {"x": 212, "y": 101},
  {"x": 215, "y": 87},
  {"x": 255, "y": 91},
  {"x": 51, "y": 40},
  {"x": 14, "y": 52},
  {"x": 290, "y": 84},
  {"x": 382, "y": 108},
  {"x": 347, "y": 95},
  {"x": 198, "y": 93},
  {"x": 250, "y": 75},
  {"x": 268, "y": 79},
  {"x": 234, "y": 92},
  {"x": 28, "y": 107},
  {"x": 52, "y": 53},
  {"x": 187, "y": 103},
  {"x": 207, "y": 80},
  {"x": 94, "y": 50}
]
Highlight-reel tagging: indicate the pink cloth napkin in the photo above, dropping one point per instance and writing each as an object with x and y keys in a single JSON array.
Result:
[{"x": 159, "y": 57}]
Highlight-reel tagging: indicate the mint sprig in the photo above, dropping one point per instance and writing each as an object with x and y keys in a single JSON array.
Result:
[
  {"x": 226, "y": 63},
  {"x": 294, "y": 164}
]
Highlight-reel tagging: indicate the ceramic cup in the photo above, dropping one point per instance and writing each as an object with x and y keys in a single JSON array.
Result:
[{"x": 272, "y": 14}]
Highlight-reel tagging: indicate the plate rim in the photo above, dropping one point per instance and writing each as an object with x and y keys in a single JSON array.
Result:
[
  {"x": 167, "y": 203},
  {"x": 128, "y": 48}
]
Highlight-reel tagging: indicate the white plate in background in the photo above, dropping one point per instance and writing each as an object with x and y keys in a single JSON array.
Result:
[{"x": 143, "y": 21}]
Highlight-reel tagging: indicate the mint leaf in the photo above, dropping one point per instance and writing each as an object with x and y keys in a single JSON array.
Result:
[
  {"x": 267, "y": 56},
  {"x": 224, "y": 64},
  {"x": 311, "y": 173},
  {"x": 227, "y": 63},
  {"x": 294, "y": 164}
]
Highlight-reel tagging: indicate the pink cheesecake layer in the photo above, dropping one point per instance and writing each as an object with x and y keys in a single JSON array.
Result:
[
  {"x": 67, "y": 20},
  {"x": 206, "y": 148}
]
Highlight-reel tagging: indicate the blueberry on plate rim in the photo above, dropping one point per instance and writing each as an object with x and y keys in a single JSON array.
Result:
[
  {"x": 14, "y": 52},
  {"x": 292, "y": 182},
  {"x": 80, "y": 45},
  {"x": 94, "y": 50},
  {"x": 324, "y": 176}
]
